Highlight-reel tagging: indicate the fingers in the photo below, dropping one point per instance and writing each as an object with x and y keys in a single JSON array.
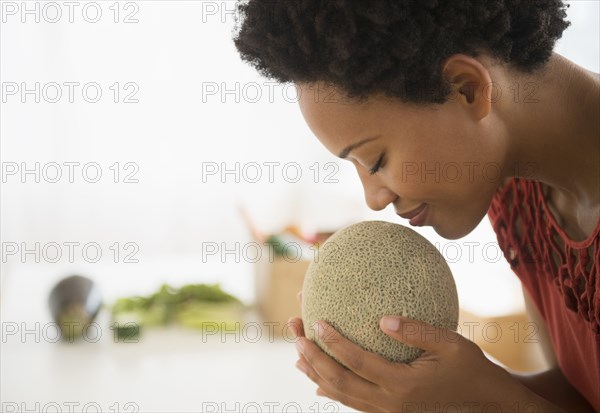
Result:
[
  {"x": 296, "y": 326},
  {"x": 332, "y": 377},
  {"x": 332, "y": 390},
  {"x": 366, "y": 364},
  {"x": 420, "y": 334}
]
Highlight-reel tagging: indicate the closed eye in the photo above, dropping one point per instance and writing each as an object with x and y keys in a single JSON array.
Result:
[{"x": 377, "y": 165}]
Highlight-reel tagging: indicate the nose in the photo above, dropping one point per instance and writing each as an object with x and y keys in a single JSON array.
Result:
[{"x": 377, "y": 194}]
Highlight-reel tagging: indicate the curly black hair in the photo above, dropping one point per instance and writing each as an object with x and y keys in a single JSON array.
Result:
[{"x": 394, "y": 47}]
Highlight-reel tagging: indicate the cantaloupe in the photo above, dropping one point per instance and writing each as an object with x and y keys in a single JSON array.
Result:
[{"x": 374, "y": 268}]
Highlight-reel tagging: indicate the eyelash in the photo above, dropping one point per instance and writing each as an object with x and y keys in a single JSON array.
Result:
[{"x": 375, "y": 168}]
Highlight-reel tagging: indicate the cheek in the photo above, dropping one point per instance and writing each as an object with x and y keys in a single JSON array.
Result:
[
  {"x": 441, "y": 165},
  {"x": 454, "y": 215},
  {"x": 452, "y": 184},
  {"x": 455, "y": 164},
  {"x": 420, "y": 174}
]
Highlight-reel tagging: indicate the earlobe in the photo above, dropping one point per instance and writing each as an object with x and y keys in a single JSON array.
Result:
[{"x": 470, "y": 81}]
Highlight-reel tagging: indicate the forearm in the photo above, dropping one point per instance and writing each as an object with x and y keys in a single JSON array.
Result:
[{"x": 552, "y": 386}]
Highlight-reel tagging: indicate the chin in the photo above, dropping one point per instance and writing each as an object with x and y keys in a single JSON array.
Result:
[
  {"x": 448, "y": 234},
  {"x": 455, "y": 229}
]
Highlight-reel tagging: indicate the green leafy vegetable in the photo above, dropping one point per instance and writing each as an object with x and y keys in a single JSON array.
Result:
[{"x": 192, "y": 305}]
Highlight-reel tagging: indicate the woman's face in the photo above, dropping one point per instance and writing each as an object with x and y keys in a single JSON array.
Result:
[{"x": 408, "y": 156}]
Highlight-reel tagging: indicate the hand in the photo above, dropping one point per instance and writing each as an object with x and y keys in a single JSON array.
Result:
[{"x": 452, "y": 374}]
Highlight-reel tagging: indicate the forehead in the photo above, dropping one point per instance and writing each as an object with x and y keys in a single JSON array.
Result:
[
  {"x": 338, "y": 121},
  {"x": 335, "y": 119}
]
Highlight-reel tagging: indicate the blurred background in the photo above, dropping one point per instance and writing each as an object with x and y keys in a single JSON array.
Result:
[{"x": 138, "y": 150}]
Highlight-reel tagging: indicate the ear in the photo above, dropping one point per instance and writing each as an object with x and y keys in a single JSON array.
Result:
[{"x": 471, "y": 83}]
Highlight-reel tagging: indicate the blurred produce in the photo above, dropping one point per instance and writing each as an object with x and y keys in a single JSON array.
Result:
[
  {"x": 74, "y": 303},
  {"x": 290, "y": 232},
  {"x": 279, "y": 273},
  {"x": 193, "y": 305}
]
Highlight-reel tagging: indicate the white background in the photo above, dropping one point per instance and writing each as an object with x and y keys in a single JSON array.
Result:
[{"x": 175, "y": 51}]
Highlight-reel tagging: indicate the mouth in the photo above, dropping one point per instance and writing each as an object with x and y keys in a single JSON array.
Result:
[
  {"x": 417, "y": 216},
  {"x": 413, "y": 213}
]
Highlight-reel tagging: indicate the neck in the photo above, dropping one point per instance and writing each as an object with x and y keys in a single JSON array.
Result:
[{"x": 554, "y": 130}]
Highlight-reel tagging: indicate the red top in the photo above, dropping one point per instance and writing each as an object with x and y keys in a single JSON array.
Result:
[{"x": 561, "y": 275}]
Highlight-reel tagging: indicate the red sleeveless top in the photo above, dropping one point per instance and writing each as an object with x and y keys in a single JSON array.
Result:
[{"x": 561, "y": 275}]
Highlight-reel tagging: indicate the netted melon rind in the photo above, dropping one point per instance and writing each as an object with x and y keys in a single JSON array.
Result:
[{"x": 375, "y": 268}]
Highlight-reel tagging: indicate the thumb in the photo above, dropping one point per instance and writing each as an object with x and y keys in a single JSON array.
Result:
[{"x": 416, "y": 333}]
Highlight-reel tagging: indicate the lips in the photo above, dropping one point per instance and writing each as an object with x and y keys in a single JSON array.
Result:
[{"x": 413, "y": 213}]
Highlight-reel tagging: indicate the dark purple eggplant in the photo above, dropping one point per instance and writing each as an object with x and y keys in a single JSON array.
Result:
[{"x": 74, "y": 303}]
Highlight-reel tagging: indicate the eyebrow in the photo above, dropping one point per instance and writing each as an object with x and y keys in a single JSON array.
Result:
[{"x": 346, "y": 151}]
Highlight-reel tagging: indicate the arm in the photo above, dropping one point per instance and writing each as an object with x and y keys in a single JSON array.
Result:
[{"x": 551, "y": 384}]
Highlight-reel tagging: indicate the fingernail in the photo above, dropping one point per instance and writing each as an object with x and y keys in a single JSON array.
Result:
[
  {"x": 318, "y": 328},
  {"x": 300, "y": 346},
  {"x": 391, "y": 323},
  {"x": 292, "y": 328}
]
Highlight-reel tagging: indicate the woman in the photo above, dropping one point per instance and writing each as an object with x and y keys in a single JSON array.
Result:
[{"x": 451, "y": 110}]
